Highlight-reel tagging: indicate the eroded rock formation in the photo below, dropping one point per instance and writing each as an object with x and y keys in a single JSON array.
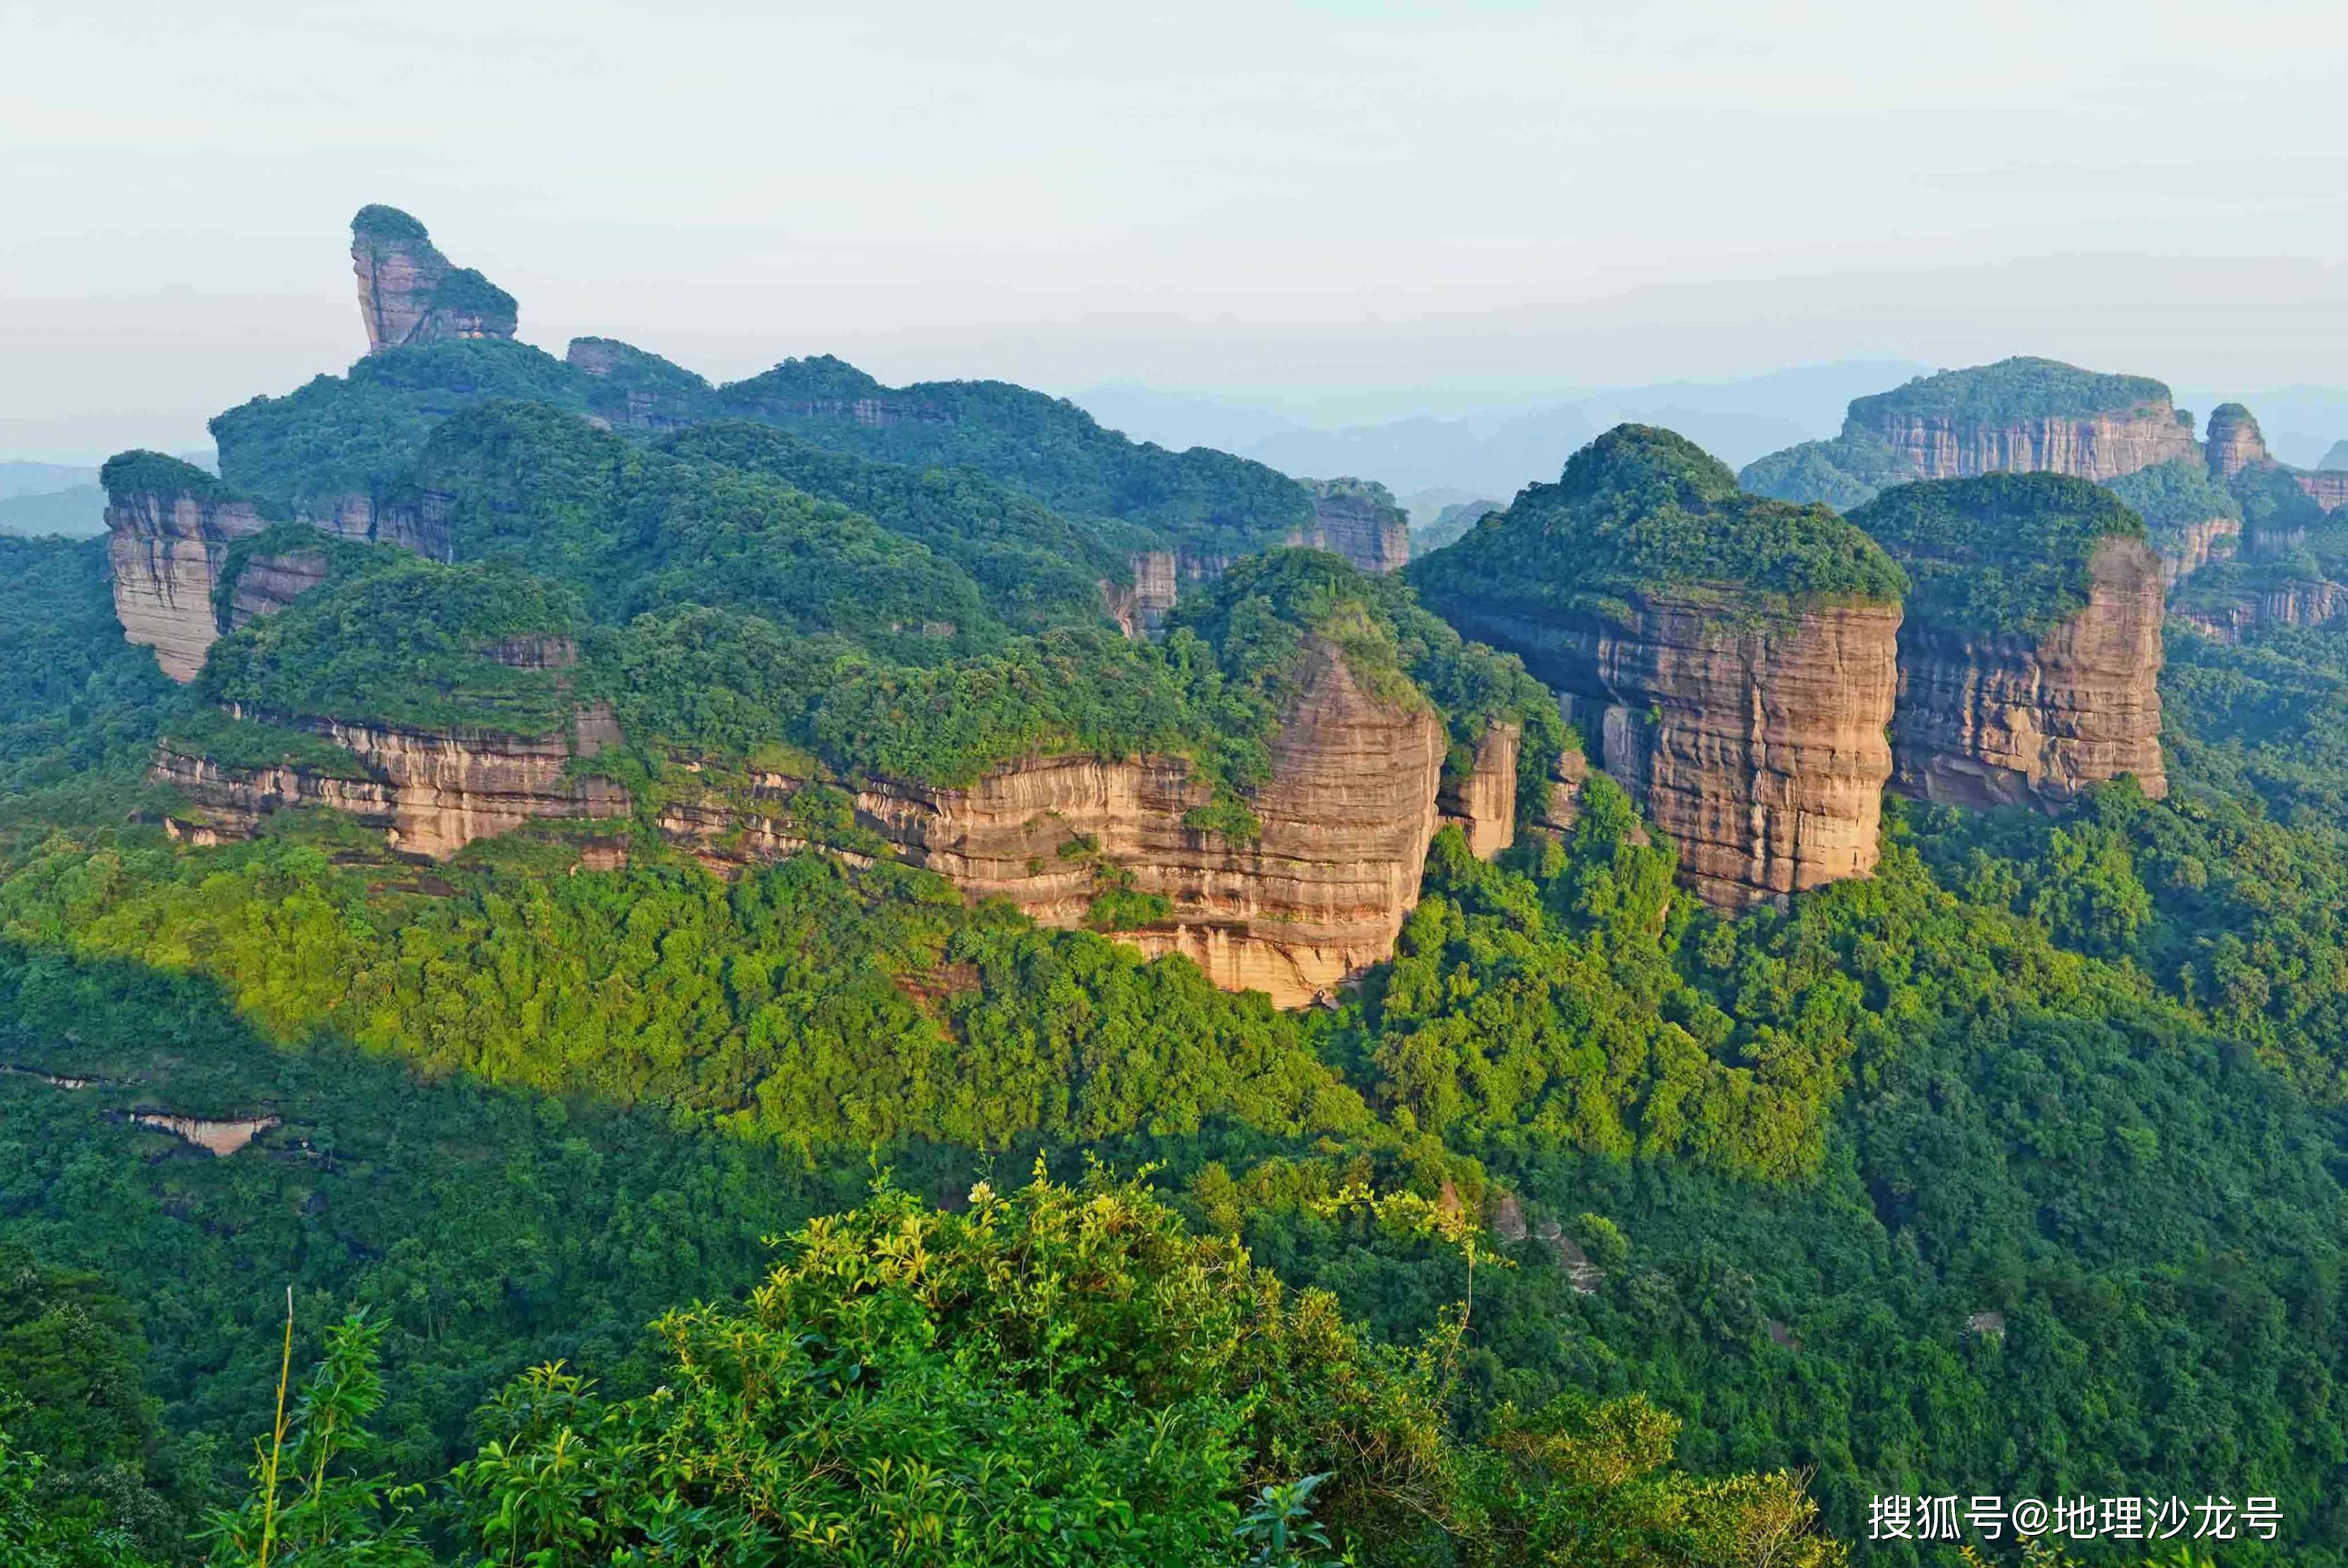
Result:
[
  {"x": 2296, "y": 602},
  {"x": 1483, "y": 805},
  {"x": 1316, "y": 896},
  {"x": 2014, "y": 719},
  {"x": 2235, "y": 441},
  {"x": 2328, "y": 487},
  {"x": 2186, "y": 550},
  {"x": 1757, "y": 743},
  {"x": 1359, "y": 519},
  {"x": 410, "y": 293},
  {"x": 170, "y": 526},
  {"x": 2102, "y": 447},
  {"x": 429, "y": 793}
]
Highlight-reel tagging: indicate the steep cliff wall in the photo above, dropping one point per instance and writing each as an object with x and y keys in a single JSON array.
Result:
[
  {"x": 2103, "y": 447},
  {"x": 2013, "y": 719},
  {"x": 2329, "y": 487},
  {"x": 410, "y": 293},
  {"x": 1317, "y": 896},
  {"x": 1483, "y": 805},
  {"x": 2186, "y": 550},
  {"x": 1359, "y": 519},
  {"x": 1755, "y": 743},
  {"x": 169, "y": 527},
  {"x": 2229, "y": 612},
  {"x": 2235, "y": 441},
  {"x": 429, "y": 793}
]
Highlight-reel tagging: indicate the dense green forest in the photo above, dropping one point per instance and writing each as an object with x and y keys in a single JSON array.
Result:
[
  {"x": 820, "y": 1215},
  {"x": 1640, "y": 509},
  {"x": 2011, "y": 390},
  {"x": 2003, "y": 552}
]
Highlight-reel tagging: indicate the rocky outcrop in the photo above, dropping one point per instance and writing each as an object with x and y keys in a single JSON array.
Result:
[
  {"x": 2100, "y": 447},
  {"x": 1756, "y": 742},
  {"x": 2235, "y": 441},
  {"x": 1315, "y": 896},
  {"x": 170, "y": 526},
  {"x": 267, "y": 584},
  {"x": 2015, "y": 719},
  {"x": 429, "y": 793},
  {"x": 640, "y": 391},
  {"x": 1359, "y": 519},
  {"x": 1141, "y": 608},
  {"x": 360, "y": 519},
  {"x": 2328, "y": 487},
  {"x": 2186, "y": 550},
  {"x": 411, "y": 295},
  {"x": 1483, "y": 805},
  {"x": 2290, "y": 603}
]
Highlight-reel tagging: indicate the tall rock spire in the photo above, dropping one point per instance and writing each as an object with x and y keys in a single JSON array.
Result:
[{"x": 410, "y": 293}]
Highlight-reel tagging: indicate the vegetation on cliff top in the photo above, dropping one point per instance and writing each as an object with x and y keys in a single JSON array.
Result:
[
  {"x": 143, "y": 473},
  {"x": 1642, "y": 509},
  {"x": 1844, "y": 473},
  {"x": 2009, "y": 392},
  {"x": 2175, "y": 495},
  {"x": 1207, "y": 501},
  {"x": 357, "y": 434},
  {"x": 2003, "y": 552},
  {"x": 379, "y": 221}
]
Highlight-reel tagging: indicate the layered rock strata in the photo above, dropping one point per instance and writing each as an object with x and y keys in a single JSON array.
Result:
[
  {"x": 2186, "y": 550},
  {"x": 1756, "y": 742},
  {"x": 2103, "y": 447},
  {"x": 2327, "y": 486},
  {"x": 1359, "y": 519},
  {"x": 410, "y": 293},
  {"x": 2235, "y": 441},
  {"x": 2015, "y": 719},
  {"x": 2297, "y": 603},
  {"x": 1483, "y": 805},
  {"x": 429, "y": 793},
  {"x": 1316, "y": 898},
  {"x": 165, "y": 545}
]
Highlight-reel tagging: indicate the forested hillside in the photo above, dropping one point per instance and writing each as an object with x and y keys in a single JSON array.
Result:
[{"x": 650, "y": 1198}]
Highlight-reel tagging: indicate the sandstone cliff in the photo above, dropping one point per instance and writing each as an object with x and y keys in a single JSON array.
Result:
[
  {"x": 1359, "y": 519},
  {"x": 1756, "y": 744},
  {"x": 2028, "y": 416},
  {"x": 170, "y": 526},
  {"x": 2030, "y": 657},
  {"x": 1730, "y": 659},
  {"x": 2230, "y": 608},
  {"x": 410, "y": 294},
  {"x": 1483, "y": 805},
  {"x": 2328, "y": 487},
  {"x": 428, "y": 793},
  {"x": 2186, "y": 550},
  {"x": 2235, "y": 441},
  {"x": 1316, "y": 898},
  {"x": 1986, "y": 719}
]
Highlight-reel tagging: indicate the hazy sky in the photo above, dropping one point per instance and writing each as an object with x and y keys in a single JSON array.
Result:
[{"x": 1259, "y": 200}]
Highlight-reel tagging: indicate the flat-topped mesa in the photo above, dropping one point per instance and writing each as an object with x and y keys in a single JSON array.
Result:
[
  {"x": 2028, "y": 416},
  {"x": 2235, "y": 441},
  {"x": 1730, "y": 659},
  {"x": 2018, "y": 416},
  {"x": 1359, "y": 519},
  {"x": 170, "y": 526},
  {"x": 2030, "y": 657},
  {"x": 410, "y": 293}
]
